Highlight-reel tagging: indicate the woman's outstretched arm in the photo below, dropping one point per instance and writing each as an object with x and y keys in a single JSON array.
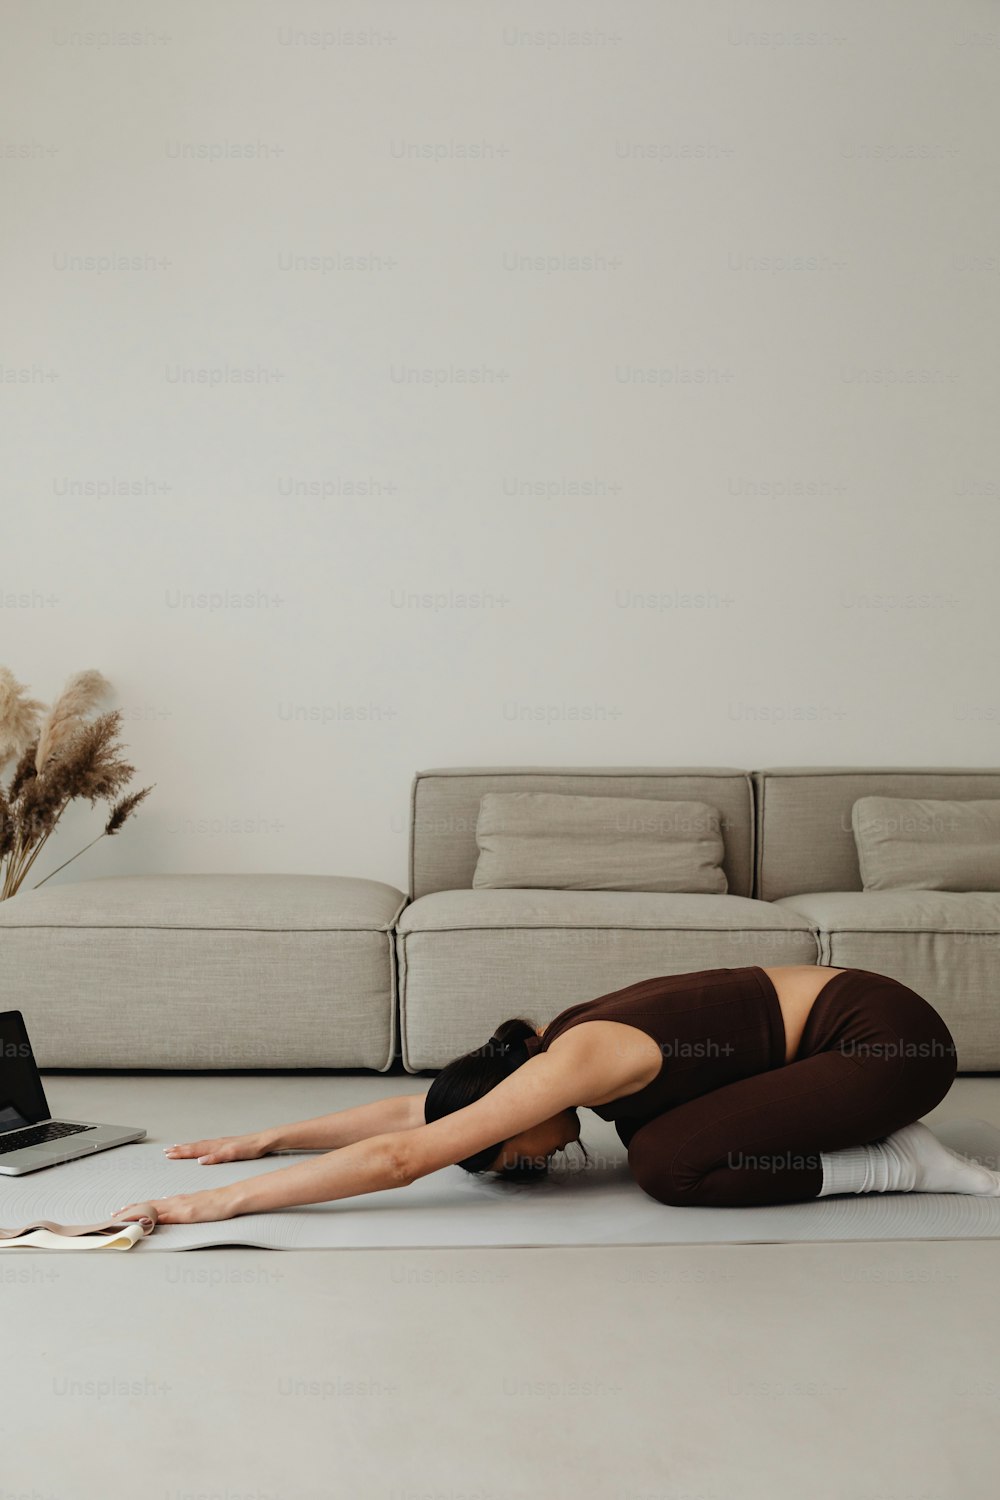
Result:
[
  {"x": 345, "y": 1126},
  {"x": 324, "y": 1133},
  {"x": 539, "y": 1089}
]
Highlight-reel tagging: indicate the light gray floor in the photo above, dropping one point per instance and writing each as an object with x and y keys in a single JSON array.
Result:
[{"x": 841, "y": 1372}]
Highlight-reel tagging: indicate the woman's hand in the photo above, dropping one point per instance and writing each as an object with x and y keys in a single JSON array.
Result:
[
  {"x": 187, "y": 1208},
  {"x": 222, "y": 1148},
  {"x": 212, "y": 1204}
]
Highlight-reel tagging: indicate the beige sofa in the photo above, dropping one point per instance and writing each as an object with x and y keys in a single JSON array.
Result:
[{"x": 287, "y": 971}]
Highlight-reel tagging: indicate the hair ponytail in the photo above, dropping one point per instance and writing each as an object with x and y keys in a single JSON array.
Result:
[{"x": 509, "y": 1040}]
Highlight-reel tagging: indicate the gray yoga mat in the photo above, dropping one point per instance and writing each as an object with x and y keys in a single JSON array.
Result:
[{"x": 599, "y": 1205}]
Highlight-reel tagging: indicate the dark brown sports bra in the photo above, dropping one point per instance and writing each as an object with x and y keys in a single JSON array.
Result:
[{"x": 713, "y": 1028}]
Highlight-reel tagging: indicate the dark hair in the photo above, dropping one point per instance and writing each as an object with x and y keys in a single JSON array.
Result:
[{"x": 472, "y": 1075}]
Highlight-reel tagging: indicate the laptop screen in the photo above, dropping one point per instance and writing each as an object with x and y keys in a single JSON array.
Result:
[{"x": 22, "y": 1099}]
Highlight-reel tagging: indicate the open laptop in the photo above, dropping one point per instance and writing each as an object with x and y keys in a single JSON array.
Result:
[{"x": 29, "y": 1137}]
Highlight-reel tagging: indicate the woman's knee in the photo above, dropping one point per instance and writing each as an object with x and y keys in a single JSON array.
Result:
[{"x": 663, "y": 1174}]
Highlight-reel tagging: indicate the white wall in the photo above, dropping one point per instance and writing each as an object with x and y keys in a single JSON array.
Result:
[{"x": 794, "y": 203}]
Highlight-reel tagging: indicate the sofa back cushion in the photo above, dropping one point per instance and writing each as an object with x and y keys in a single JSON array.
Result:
[
  {"x": 927, "y": 844},
  {"x": 560, "y": 842},
  {"x": 444, "y": 811},
  {"x": 805, "y": 835}
]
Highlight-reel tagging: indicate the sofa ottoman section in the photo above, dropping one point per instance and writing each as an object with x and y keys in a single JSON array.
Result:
[{"x": 204, "y": 971}]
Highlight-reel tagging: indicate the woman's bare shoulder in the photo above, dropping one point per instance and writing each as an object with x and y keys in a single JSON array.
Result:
[{"x": 615, "y": 1059}]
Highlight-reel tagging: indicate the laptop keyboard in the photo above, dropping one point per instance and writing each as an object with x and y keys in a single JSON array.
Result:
[{"x": 52, "y": 1130}]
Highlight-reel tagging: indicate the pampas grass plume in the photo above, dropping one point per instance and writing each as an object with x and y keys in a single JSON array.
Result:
[
  {"x": 81, "y": 695},
  {"x": 19, "y": 716},
  {"x": 64, "y": 753},
  {"x": 124, "y": 809}
]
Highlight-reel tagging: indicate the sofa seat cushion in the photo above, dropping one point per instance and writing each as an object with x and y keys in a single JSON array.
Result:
[
  {"x": 205, "y": 971},
  {"x": 269, "y": 903},
  {"x": 943, "y": 944},
  {"x": 448, "y": 910},
  {"x": 468, "y": 959}
]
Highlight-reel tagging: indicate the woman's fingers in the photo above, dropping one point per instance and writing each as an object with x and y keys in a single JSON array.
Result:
[
  {"x": 190, "y": 1148},
  {"x": 182, "y": 1208},
  {"x": 222, "y": 1148},
  {"x": 203, "y": 1150}
]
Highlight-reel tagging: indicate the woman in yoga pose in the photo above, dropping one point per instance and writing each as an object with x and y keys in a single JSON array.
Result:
[{"x": 728, "y": 1087}]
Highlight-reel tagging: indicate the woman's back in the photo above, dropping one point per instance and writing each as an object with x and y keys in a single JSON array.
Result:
[{"x": 712, "y": 1028}]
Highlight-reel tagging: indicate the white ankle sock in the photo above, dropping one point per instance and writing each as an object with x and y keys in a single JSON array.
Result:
[{"x": 911, "y": 1160}]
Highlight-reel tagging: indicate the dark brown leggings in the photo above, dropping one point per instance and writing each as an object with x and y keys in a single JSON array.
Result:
[{"x": 874, "y": 1057}]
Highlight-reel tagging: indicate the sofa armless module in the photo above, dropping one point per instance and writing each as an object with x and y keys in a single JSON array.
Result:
[{"x": 468, "y": 958}]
